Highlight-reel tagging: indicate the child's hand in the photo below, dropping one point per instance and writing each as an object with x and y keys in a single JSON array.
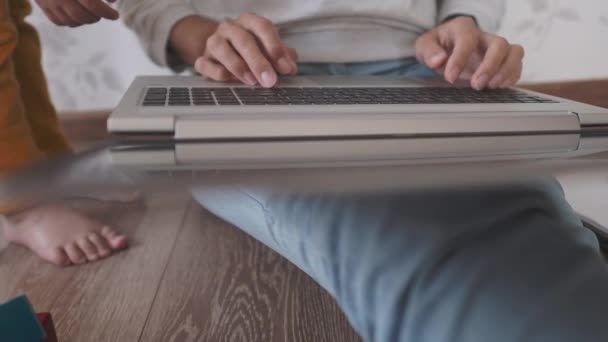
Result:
[
  {"x": 248, "y": 49},
  {"x": 459, "y": 49},
  {"x": 75, "y": 13}
]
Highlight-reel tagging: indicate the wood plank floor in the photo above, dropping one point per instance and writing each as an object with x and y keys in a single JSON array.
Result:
[{"x": 188, "y": 276}]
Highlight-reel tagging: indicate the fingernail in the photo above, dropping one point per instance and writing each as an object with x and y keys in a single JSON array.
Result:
[
  {"x": 496, "y": 81},
  {"x": 284, "y": 65},
  {"x": 481, "y": 81},
  {"x": 249, "y": 79},
  {"x": 451, "y": 76},
  {"x": 436, "y": 59},
  {"x": 268, "y": 79}
]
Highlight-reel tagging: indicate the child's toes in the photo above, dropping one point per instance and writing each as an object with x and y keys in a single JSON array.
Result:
[
  {"x": 89, "y": 249},
  {"x": 101, "y": 244},
  {"x": 57, "y": 256},
  {"x": 114, "y": 239},
  {"x": 75, "y": 254},
  {"x": 119, "y": 242}
]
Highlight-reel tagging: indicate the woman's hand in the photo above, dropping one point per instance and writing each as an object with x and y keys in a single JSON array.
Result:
[
  {"x": 458, "y": 49},
  {"x": 247, "y": 49}
]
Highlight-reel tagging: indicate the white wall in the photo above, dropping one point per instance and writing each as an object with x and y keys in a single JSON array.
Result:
[
  {"x": 564, "y": 39},
  {"x": 89, "y": 67}
]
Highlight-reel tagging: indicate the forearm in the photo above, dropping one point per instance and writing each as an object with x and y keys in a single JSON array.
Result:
[
  {"x": 152, "y": 21},
  {"x": 188, "y": 38}
]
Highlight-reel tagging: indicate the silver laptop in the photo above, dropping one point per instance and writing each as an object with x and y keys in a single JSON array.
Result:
[{"x": 190, "y": 107}]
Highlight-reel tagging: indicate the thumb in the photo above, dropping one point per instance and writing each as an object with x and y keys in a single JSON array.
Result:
[{"x": 429, "y": 51}]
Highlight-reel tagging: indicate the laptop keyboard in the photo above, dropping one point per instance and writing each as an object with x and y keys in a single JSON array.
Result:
[{"x": 182, "y": 96}]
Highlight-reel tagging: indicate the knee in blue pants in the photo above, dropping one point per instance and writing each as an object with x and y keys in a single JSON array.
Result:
[{"x": 432, "y": 266}]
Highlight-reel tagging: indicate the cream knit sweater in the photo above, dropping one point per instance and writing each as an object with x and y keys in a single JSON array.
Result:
[{"x": 320, "y": 30}]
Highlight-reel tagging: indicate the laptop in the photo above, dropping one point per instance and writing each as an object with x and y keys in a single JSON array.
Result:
[{"x": 339, "y": 107}]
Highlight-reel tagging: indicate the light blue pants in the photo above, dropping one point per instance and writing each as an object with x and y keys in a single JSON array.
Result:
[{"x": 501, "y": 263}]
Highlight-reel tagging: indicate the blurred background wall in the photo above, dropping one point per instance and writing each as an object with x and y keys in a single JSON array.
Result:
[{"x": 90, "y": 67}]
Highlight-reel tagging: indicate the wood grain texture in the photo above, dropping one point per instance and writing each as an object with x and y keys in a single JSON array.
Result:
[
  {"x": 42, "y": 282},
  {"x": 106, "y": 300},
  {"x": 110, "y": 300},
  {"x": 311, "y": 315},
  {"x": 15, "y": 262},
  {"x": 238, "y": 290}
]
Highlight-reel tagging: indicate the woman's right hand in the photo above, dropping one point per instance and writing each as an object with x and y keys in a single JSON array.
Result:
[{"x": 247, "y": 49}]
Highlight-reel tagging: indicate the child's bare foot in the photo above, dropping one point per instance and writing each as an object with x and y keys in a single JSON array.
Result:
[{"x": 62, "y": 235}]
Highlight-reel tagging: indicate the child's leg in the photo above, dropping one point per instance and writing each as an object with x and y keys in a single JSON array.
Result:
[
  {"x": 17, "y": 145},
  {"x": 39, "y": 110},
  {"x": 29, "y": 131}
]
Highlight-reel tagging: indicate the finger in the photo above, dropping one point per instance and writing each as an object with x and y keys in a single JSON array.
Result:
[
  {"x": 100, "y": 9},
  {"x": 65, "y": 18},
  {"x": 222, "y": 51},
  {"x": 294, "y": 57},
  {"x": 430, "y": 52},
  {"x": 293, "y": 54},
  {"x": 246, "y": 45},
  {"x": 496, "y": 51},
  {"x": 267, "y": 35},
  {"x": 510, "y": 82},
  {"x": 464, "y": 46},
  {"x": 212, "y": 69},
  {"x": 511, "y": 68},
  {"x": 79, "y": 14},
  {"x": 52, "y": 17},
  {"x": 287, "y": 64}
]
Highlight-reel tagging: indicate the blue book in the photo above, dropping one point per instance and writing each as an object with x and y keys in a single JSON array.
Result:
[{"x": 18, "y": 321}]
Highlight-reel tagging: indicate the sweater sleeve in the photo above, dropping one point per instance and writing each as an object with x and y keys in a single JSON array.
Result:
[
  {"x": 488, "y": 13},
  {"x": 152, "y": 21}
]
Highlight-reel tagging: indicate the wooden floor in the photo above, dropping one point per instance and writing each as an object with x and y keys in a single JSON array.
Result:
[{"x": 188, "y": 276}]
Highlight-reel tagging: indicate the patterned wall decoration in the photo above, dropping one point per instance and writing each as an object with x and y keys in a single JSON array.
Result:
[{"x": 91, "y": 66}]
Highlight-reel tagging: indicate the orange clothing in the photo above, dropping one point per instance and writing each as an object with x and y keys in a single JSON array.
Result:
[{"x": 29, "y": 128}]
